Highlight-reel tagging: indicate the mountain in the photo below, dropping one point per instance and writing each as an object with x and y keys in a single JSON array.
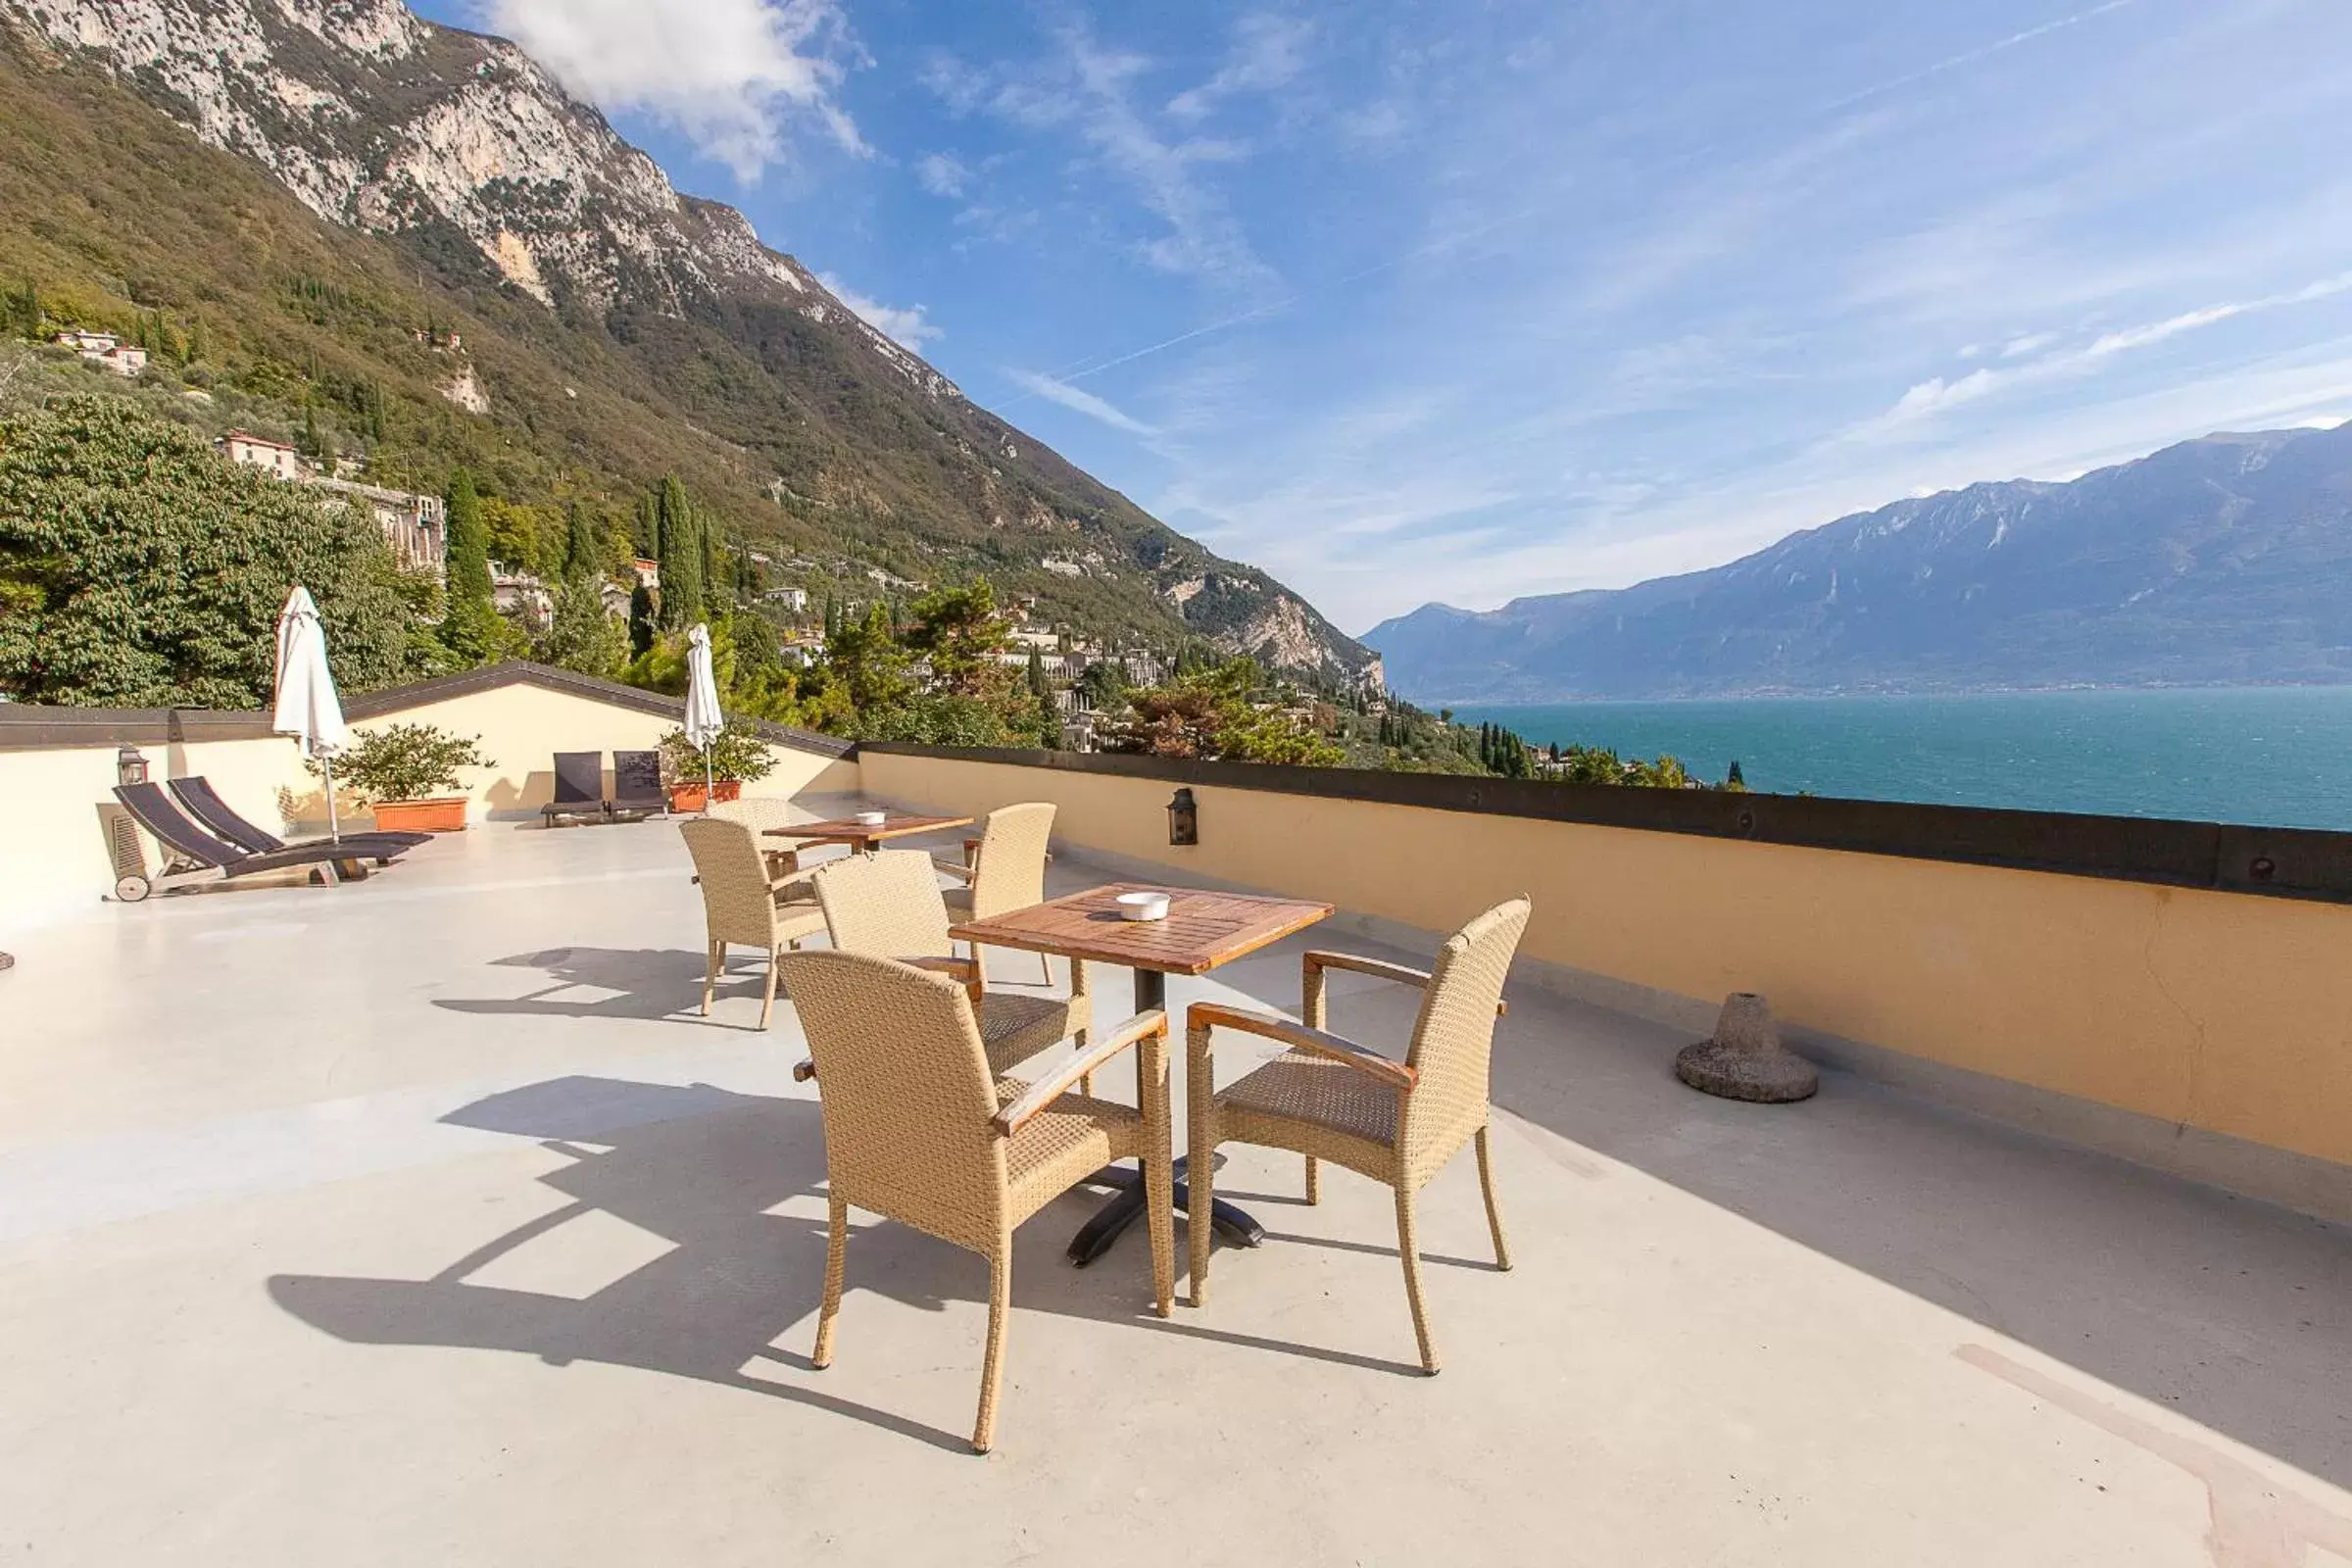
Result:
[
  {"x": 424, "y": 184},
  {"x": 2216, "y": 562}
]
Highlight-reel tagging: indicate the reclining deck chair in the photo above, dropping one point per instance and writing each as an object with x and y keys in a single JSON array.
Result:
[
  {"x": 199, "y": 852},
  {"x": 205, "y": 804}
]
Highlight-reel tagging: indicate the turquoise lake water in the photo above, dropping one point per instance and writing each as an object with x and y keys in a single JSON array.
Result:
[{"x": 2277, "y": 757}]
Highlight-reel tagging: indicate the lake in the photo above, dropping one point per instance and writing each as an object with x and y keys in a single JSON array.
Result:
[{"x": 2276, "y": 757}]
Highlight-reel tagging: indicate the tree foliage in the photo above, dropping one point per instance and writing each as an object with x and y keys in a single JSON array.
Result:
[
  {"x": 140, "y": 568},
  {"x": 1220, "y": 712}
]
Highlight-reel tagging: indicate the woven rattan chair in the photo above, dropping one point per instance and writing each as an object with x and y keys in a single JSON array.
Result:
[
  {"x": 1005, "y": 869},
  {"x": 1398, "y": 1122},
  {"x": 889, "y": 906},
  {"x": 739, "y": 905},
  {"x": 763, "y": 815},
  {"x": 919, "y": 1130}
]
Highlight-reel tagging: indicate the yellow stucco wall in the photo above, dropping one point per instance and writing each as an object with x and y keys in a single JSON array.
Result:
[
  {"x": 2222, "y": 1011},
  {"x": 53, "y": 855}
]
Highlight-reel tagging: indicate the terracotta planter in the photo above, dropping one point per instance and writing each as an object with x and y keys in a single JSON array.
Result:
[
  {"x": 686, "y": 797},
  {"x": 726, "y": 789},
  {"x": 446, "y": 814}
]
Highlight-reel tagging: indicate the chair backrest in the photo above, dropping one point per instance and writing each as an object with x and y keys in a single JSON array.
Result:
[
  {"x": 171, "y": 827},
  {"x": 1453, "y": 1039},
  {"x": 905, "y": 1087},
  {"x": 636, "y": 777},
  {"x": 579, "y": 778},
  {"x": 737, "y": 903},
  {"x": 758, "y": 813},
  {"x": 887, "y": 905},
  {"x": 205, "y": 804},
  {"x": 1013, "y": 859}
]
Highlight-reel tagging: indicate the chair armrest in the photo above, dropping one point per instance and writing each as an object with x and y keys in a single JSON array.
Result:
[
  {"x": 962, "y": 870},
  {"x": 960, "y": 968},
  {"x": 1207, "y": 1016},
  {"x": 1142, "y": 1026},
  {"x": 1314, "y": 964}
]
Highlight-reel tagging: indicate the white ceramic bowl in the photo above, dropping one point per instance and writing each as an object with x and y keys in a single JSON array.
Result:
[
  {"x": 1142, "y": 906},
  {"x": 872, "y": 818}
]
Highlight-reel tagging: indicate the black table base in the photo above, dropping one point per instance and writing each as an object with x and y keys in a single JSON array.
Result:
[{"x": 1094, "y": 1238}]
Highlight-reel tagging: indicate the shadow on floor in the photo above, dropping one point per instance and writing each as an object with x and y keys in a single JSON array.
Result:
[
  {"x": 702, "y": 1168},
  {"x": 2235, "y": 1313},
  {"x": 640, "y": 983}
]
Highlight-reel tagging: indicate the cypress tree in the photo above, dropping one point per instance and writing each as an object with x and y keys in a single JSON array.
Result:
[
  {"x": 580, "y": 553},
  {"x": 1039, "y": 686},
  {"x": 679, "y": 542},
  {"x": 1734, "y": 779},
  {"x": 471, "y": 626}
]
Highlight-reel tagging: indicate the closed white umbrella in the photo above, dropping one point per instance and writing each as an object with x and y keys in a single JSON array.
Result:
[
  {"x": 704, "y": 720},
  {"x": 308, "y": 707}
]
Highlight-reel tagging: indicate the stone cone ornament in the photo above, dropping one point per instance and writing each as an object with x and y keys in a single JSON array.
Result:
[{"x": 1746, "y": 1060}]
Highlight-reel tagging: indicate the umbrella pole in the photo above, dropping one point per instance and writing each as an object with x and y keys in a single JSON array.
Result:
[
  {"x": 707, "y": 786},
  {"x": 334, "y": 829}
]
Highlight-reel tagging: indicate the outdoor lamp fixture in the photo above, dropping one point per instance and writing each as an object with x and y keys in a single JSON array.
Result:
[
  {"x": 130, "y": 767},
  {"x": 1184, "y": 818}
]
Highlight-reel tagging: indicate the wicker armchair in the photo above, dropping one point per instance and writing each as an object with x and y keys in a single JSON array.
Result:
[
  {"x": 1007, "y": 869},
  {"x": 763, "y": 815},
  {"x": 917, "y": 1129},
  {"x": 740, "y": 906},
  {"x": 889, "y": 906},
  {"x": 1398, "y": 1122}
]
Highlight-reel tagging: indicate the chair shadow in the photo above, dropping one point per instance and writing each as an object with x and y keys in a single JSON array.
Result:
[
  {"x": 703, "y": 1170},
  {"x": 651, "y": 983}
]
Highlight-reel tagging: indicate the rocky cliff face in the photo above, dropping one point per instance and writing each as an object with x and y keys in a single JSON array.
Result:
[
  {"x": 2214, "y": 561},
  {"x": 462, "y": 147}
]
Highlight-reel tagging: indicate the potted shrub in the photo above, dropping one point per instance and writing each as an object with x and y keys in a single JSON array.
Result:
[
  {"x": 404, "y": 771},
  {"x": 739, "y": 756}
]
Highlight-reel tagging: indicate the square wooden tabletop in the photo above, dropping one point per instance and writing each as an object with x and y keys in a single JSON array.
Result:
[
  {"x": 1202, "y": 930},
  {"x": 849, "y": 831}
]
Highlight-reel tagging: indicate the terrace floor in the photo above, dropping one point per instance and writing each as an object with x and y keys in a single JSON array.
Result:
[{"x": 424, "y": 1221}]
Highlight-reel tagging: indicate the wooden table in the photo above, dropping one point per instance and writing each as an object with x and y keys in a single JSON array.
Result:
[
  {"x": 862, "y": 837},
  {"x": 1202, "y": 930}
]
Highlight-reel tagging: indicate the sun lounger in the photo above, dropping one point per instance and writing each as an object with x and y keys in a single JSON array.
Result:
[
  {"x": 579, "y": 789},
  {"x": 637, "y": 783},
  {"x": 205, "y": 804},
  {"x": 200, "y": 851}
]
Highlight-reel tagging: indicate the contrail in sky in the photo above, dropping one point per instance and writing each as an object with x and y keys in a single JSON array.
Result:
[{"x": 2000, "y": 46}]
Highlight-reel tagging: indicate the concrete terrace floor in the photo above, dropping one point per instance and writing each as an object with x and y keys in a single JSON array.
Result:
[{"x": 423, "y": 1221}]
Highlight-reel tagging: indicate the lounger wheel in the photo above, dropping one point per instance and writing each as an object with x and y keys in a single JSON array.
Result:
[{"x": 132, "y": 888}]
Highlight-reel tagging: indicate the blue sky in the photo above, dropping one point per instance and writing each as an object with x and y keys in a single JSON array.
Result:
[{"x": 1409, "y": 301}]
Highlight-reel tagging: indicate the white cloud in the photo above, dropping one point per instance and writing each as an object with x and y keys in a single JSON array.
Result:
[
  {"x": 1080, "y": 401},
  {"x": 1268, "y": 52},
  {"x": 1091, "y": 90},
  {"x": 904, "y": 324},
  {"x": 1936, "y": 396},
  {"x": 730, "y": 75},
  {"x": 942, "y": 175}
]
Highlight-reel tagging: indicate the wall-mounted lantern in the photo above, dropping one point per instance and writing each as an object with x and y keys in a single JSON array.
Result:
[
  {"x": 1184, "y": 818},
  {"x": 130, "y": 767}
]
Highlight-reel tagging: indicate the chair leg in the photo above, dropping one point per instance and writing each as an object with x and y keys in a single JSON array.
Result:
[
  {"x": 1315, "y": 1180},
  {"x": 837, "y": 1247},
  {"x": 1485, "y": 1181},
  {"x": 1408, "y": 1247},
  {"x": 1000, "y": 1308},
  {"x": 768, "y": 1000},
  {"x": 1046, "y": 965},
  {"x": 1200, "y": 1154},
  {"x": 715, "y": 956}
]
